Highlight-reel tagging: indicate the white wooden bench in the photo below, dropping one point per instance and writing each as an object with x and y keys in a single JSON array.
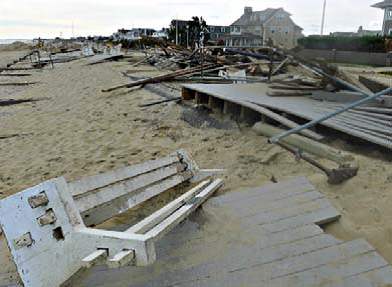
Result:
[{"x": 49, "y": 227}]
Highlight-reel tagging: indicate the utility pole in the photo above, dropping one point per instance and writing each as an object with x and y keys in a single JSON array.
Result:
[
  {"x": 176, "y": 32},
  {"x": 323, "y": 20}
]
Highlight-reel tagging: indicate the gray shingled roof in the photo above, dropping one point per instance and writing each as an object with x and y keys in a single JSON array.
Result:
[
  {"x": 245, "y": 18},
  {"x": 383, "y": 4}
]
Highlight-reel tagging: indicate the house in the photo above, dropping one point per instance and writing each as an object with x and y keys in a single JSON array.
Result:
[
  {"x": 386, "y": 5},
  {"x": 255, "y": 28},
  {"x": 134, "y": 34},
  {"x": 360, "y": 33},
  {"x": 163, "y": 34},
  {"x": 218, "y": 33}
]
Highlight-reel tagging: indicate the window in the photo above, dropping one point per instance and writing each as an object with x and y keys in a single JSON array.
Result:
[
  {"x": 223, "y": 29},
  {"x": 280, "y": 17},
  {"x": 212, "y": 29},
  {"x": 389, "y": 14},
  {"x": 272, "y": 30},
  {"x": 280, "y": 29},
  {"x": 287, "y": 30},
  {"x": 390, "y": 32}
]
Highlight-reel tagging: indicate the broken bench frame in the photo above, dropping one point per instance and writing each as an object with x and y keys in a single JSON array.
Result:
[{"x": 48, "y": 227}]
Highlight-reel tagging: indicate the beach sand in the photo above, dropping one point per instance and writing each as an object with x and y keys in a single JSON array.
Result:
[{"x": 80, "y": 131}]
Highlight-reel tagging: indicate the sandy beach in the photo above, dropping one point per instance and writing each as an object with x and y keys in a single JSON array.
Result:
[{"x": 77, "y": 131}]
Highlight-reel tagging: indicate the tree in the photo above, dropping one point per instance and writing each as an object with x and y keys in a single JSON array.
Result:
[{"x": 189, "y": 31}]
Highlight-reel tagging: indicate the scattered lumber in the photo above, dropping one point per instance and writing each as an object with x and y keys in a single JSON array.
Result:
[
  {"x": 18, "y": 84},
  {"x": 10, "y": 102},
  {"x": 161, "y": 102},
  {"x": 280, "y": 66},
  {"x": 15, "y": 75},
  {"x": 335, "y": 176},
  {"x": 305, "y": 144},
  {"x": 166, "y": 77},
  {"x": 2, "y": 137}
]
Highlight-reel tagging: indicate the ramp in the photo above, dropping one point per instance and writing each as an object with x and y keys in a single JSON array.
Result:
[{"x": 267, "y": 236}]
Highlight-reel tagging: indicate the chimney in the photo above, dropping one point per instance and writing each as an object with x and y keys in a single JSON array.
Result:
[{"x": 248, "y": 10}]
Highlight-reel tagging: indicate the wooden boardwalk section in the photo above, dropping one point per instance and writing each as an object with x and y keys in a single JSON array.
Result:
[
  {"x": 251, "y": 103},
  {"x": 268, "y": 236}
]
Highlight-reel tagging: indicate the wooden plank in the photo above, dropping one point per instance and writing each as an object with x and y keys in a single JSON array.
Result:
[
  {"x": 133, "y": 185},
  {"x": 258, "y": 206},
  {"x": 318, "y": 216},
  {"x": 166, "y": 225},
  {"x": 335, "y": 274},
  {"x": 194, "y": 240},
  {"x": 243, "y": 259},
  {"x": 300, "y": 184},
  {"x": 303, "y": 143},
  {"x": 152, "y": 220},
  {"x": 94, "y": 258},
  {"x": 269, "y": 271},
  {"x": 102, "y": 213},
  {"x": 289, "y": 211},
  {"x": 380, "y": 277},
  {"x": 93, "y": 182}
]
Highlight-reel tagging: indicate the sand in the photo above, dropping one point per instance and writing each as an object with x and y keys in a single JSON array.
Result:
[{"x": 80, "y": 131}]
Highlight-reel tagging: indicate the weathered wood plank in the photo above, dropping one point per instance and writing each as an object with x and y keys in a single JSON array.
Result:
[
  {"x": 93, "y": 182},
  {"x": 166, "y": 225},
  {"x": 260, "y": 274},
  {"x": 381, "y": 277},
  {"x": 258, "y": 205},
  {"x": 103, "y": 212},
  {"x": 320, "y": 216},
  {"x": 301, "y": 184},
  {"x": 194, "y": 239},
  {"x": 290, "y": 211},
  {"x": 244, "y": 258},
  {"x": 330, "y": 275},
  {"x": 127, "y": 186},
  {"x": 152, "y": 220}
]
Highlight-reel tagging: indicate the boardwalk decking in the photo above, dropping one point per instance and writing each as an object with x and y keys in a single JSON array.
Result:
[
  {"x": 372, "y": 124},
  {"x": 266, "y": 236}
]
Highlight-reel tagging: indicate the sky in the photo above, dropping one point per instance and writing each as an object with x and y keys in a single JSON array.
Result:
[{"x": 27, "y": 19}]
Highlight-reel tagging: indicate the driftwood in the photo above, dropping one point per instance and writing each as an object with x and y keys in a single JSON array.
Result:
[
  {"x": 18, "y": 84},
  {"x": 166, "y": 77},
  {"x": 161, "y": 102},
  {"x": 2, "y": 137},
  {"x": 15, "y": 75},
  {"x": 10, "y": 102}
]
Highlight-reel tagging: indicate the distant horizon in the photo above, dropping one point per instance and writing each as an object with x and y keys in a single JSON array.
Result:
[{"x": 53, "y": 18}]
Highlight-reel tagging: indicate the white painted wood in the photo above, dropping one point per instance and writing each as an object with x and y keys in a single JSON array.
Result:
[
  {"x": 50, "y": 261},
  {"x": 122, "y": 259},
  {"x": 118, "y": 189},
  {"x": 152, "y": 220},
  {"x": 94, "y": 258},
  {"x": 94, "y": 182},
  {"x": 102, "y": 213},
  {"x": 171, "y": 221}
]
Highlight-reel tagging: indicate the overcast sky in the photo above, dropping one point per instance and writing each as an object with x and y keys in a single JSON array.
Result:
[{"x": 25, "y": 19}]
